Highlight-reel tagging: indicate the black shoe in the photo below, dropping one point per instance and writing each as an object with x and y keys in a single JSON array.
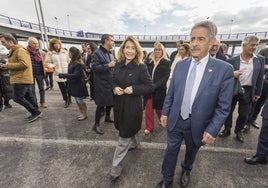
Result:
[
  {"x": 225, "y": 133},
  {"x": 7, "y": 105},
  {"x": 185, "y": 178},
  {"x": 1, "y": 108},
  {"x": 97, "y": 129},
  {"x": 108, "y": 120},
  {"x": 114, "y": 178},
  {"x": 246, "y": 128},
  {"x": 255, "y": 160},
  {"x": 239, "y": 136},
  {"x": 34, "y": 117},
  {"x": 48, "y": 88},
  {"x": 66, "y": 104},
  {"x": 255, "y": 124},
  {"x": 132, "y": 148},
  {"x": 161, "y": 184}
]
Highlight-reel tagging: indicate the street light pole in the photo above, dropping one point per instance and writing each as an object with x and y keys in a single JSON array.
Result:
[
  {"x": 57, "y": 25},
  {"x": 39, "y": 23},
  {"x": 43, "y": 21},
  {"x": 68, "y": 21},
  {"x": 231, "y": 26}
]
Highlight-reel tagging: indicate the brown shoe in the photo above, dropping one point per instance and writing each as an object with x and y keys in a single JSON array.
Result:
[{"x": 43, "y": 105}]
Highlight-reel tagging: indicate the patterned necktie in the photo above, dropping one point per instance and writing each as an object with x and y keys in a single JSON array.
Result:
[{"x": 186, "y": 101}]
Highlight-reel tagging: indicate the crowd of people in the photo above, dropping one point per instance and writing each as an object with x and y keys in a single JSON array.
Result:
[{"x": 194, "y": 91}]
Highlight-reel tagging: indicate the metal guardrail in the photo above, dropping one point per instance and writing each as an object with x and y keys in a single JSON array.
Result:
[{"x": 81, "y": 34}]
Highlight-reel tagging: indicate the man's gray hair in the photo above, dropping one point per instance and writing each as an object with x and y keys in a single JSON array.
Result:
[
  {"x": 209, "y": 25},
  {"x": 250, "y": 38}
]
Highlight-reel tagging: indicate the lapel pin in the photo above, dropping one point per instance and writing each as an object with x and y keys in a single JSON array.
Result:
[{"x": 209, "y": 70}]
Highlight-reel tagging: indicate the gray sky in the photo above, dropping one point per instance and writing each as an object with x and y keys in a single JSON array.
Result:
[{"x": 143, "y": 16}]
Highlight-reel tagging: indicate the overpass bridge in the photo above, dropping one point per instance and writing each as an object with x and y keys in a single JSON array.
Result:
[{"x": 23, "y": 29}]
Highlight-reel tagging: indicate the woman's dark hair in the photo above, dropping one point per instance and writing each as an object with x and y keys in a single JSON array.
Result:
[{"x": 76, "y": 55}]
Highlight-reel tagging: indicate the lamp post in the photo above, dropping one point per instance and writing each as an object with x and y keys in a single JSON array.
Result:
[
  {"x": 145, "y": 29},
  {"x": 231, "y": 26},
  {"x": 57, "y": 24},
  {"x": 39, "y": 23},
  {"x": 68, "y": 21},
  {"x": 43, "y": 20}
]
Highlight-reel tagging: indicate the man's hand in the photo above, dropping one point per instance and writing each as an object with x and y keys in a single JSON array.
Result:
[
  {"x": 255, "y": 98},
  {"x": 111, "y": 64},
  {"x": 208, "y": 139},
  {"x": 163, "y": 121},
  {"x": 237, "y": 73}
]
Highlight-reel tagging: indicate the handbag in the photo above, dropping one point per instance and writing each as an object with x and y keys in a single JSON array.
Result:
[{"x": 238, "y": 89}]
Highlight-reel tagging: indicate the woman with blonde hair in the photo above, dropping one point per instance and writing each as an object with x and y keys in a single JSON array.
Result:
[
  {"x": 159, "y": 69},
  {"x": 131, "y": 81},
  {"x": 58, "y": 58}
]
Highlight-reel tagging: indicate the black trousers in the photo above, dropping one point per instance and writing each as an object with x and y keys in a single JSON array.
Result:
[
  {"x": 256, "y": 106},
  {"x": 64, "y": 90},
  {"x": 244, "y": 105}
]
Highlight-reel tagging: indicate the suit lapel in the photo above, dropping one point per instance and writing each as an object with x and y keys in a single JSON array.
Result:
[
  {"x": 208, "y": 72},
  {"x": 256, "y": 63}
]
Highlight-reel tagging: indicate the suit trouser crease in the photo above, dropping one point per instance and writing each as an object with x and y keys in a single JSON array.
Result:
[
  {"x": 181, "y": 131},
  {"x": 124, "y": 144}
]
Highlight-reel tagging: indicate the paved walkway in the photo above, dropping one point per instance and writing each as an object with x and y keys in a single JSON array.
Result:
[{"x": 57, "y": 151}]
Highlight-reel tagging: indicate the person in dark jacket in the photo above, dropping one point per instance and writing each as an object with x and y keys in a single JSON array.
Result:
[
  {"x": 37, "y": 59},
  {"x": 5, "y": 88},
  {"x": 102, "y": 66},
  {"x": 174, "y": 53},
  {"x": 91, "y": 48},
  {"x": 159, "y": 69},
  {"x": 77, "y": 85},
  {"x": 131, "y": 81}
]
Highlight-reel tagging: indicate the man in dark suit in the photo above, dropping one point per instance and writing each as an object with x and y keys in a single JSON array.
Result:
[
  {"x": 249, "y": 70},
  {"x": 102, "y": 66},
  {"x": 195, "y": 107},
  {"x": 261, "y": 156}
]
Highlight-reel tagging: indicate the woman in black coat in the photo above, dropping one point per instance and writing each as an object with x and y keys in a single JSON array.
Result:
[
  {"x": 159, "y": 69},
  {"x": 77, "y": 85},
  {"x": 131, "y": 81}
]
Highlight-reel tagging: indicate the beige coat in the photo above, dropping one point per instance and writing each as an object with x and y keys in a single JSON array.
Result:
[
  {"x": 59, "y": 61},
  {"x": 20, "y": 66}
]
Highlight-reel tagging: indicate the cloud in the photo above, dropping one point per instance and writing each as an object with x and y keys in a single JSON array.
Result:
[{"x": 140, "y": 17}]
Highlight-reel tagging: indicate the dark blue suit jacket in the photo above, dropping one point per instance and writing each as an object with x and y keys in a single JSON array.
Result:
[
  {"x": 258, "y": 72},
  {"x": 212, "y": 103}
]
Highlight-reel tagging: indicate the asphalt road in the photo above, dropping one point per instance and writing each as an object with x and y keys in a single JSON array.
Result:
[{"x": 57, "y": 151}]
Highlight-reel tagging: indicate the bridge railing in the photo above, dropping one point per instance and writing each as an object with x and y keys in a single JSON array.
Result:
[{"x": 20, "y": 24}]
